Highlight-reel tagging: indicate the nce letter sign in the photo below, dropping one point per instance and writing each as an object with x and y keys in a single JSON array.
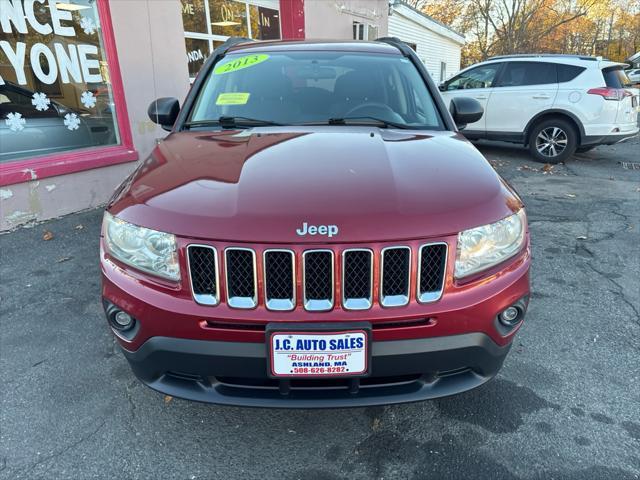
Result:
[{"x": 72, "y": 63}]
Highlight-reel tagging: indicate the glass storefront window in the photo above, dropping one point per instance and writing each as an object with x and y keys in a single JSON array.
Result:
[
  {"x": 197, "y": 53},
  {"x": 214, "y": 21},
  {"x": 194, "y": 16},
  {"x": 228, "y": 18},
  {"x": 265, "y": 23},
  {"x": 55, "y": 91}
]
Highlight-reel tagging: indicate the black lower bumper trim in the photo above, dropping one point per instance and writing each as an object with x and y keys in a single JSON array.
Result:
[
  {"x": 234, "y": 373},
  {"x": 593, "y": 140}
]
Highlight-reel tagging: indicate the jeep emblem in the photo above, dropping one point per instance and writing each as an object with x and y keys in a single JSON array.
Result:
[{"x": 328, "y": 230}]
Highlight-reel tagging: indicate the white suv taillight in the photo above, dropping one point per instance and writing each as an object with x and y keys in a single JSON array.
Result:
[{"x": 608, "y": 93}]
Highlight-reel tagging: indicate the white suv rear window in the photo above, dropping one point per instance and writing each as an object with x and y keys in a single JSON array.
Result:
[{"x": 615, "y": 77}]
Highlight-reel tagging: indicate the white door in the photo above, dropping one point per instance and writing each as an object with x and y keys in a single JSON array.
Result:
[
  {"x": 476, "y": 82},
  {"x": 523, "y": 90}
]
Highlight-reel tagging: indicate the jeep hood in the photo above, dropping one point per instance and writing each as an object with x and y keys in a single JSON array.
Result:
[{"x": 261, "y": 184}]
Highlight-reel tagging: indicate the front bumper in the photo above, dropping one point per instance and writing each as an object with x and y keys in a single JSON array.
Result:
[
  {"x": 234, "y": 373},
  {"x": 218, "y": 354}
]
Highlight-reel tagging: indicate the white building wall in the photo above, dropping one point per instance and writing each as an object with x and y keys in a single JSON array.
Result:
[
  {"x": 431, "y": 47},
  {"x": 333, "y": 19}
]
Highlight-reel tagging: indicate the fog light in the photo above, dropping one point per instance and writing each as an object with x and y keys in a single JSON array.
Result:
[
  {"x": 123, "y": 324},
  {"x": 123, "y": 319},
  {"x": 510, "y": 316}
]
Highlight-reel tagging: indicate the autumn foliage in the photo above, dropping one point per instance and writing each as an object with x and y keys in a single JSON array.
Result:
[{"x": 608, "y": 28}]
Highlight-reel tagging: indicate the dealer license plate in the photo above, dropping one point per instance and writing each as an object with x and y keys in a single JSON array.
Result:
[{"x": 318, "y": 354}]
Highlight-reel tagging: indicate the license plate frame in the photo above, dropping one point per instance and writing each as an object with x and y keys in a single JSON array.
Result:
[{"x": 328, "y": 331}]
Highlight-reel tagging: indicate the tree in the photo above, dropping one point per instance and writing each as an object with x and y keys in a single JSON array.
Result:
[
  {"x": 609, "y": 28},
  {"x": 448, "y": 12}
]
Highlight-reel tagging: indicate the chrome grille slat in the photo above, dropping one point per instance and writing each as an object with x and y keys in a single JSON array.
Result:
[
  {"x": 318, "y": 280},
  {"x": 279, "y": 279},
  {"x": 395, "y": 272},
  {"x": 240, "y": 268},
  {"x": 203, "y": 274},
  {"x": 357, "y": 279},
  {"x": 431, "y": 271}
]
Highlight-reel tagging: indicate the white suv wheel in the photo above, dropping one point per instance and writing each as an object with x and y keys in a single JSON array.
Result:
[{"x": 551, "y": 142}]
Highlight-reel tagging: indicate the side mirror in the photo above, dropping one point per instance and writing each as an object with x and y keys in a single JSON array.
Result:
[
  {"x": 164, "y": 111},
  {"x": 443, "y": 87},
  {"x": 465, "y": 110}
]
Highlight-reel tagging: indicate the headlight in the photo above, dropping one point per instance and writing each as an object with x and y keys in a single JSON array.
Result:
[
  {"x": 483, "y": 247},
  {"x": 149, "y": 250}
]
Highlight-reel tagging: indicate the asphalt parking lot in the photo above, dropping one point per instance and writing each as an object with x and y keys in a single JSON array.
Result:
[{"x": 565, "y": 406}]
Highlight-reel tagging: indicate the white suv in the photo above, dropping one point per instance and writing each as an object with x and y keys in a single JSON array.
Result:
[
  {"x": 633, "y": 74},
  {"x": 554, "y": 104}
]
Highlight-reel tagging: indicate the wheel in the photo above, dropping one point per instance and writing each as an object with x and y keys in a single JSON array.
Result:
[
  {"x": 585, "y": 149},
  {"x": 553, "y": 140}
]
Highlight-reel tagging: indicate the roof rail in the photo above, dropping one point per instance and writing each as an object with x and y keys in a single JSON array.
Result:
[
  {"x": 533, "y": 55},
  {"x": 396, "y": 42},
  {"x": 230, "y": 42}
]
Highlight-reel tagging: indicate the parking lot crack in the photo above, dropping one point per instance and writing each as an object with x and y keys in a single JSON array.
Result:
[
  {"x": 132, "y": 405},
  {"x": 551, "y": 220},
  {"x": 619, "y": 291},
  {"x": 627, "y": 220},
  {"x": 66, "y": 449}
]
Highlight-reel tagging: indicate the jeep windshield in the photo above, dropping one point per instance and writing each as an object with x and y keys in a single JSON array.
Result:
[{"x": 314, "y": 88}]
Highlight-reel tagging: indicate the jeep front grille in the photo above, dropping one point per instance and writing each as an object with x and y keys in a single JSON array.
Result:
[
  {"x": 433, "y": 258},
  {"x": 398, "y": 280},
  {"x": 203, "y": 269},
  {"x": 279, "y": 279},
  {"x": 240, "y": 267},
  {"x": 395, "y": 274},
  {"x": 357, "y": 279},
  {"x": 318, "y": 280}
]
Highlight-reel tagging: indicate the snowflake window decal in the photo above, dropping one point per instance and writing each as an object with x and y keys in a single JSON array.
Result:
[
  {"x": 71, "y": 121},
  {"x": 15, "y": 122},
  {"x": 88, "y": 26},
  {"x": 40, "y": 101},
  {"x": 88, "y": 99}
]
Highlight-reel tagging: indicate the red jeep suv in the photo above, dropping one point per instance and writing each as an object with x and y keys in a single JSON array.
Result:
[{"x": 314, "y": 232}]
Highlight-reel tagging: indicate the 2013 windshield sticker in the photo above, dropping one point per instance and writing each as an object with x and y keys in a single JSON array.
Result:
[
  {"x": 240, "y": 63},
  {"x": 233, "y": 98}
]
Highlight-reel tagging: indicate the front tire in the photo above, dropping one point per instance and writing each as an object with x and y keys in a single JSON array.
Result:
[{"x": 553, "y": 141}]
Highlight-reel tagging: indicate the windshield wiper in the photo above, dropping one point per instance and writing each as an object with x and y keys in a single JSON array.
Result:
[
  {"x": 232, "y": 122},
  {"x": 239, "y": 122},
  {"x": 361, "y": 120}
]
